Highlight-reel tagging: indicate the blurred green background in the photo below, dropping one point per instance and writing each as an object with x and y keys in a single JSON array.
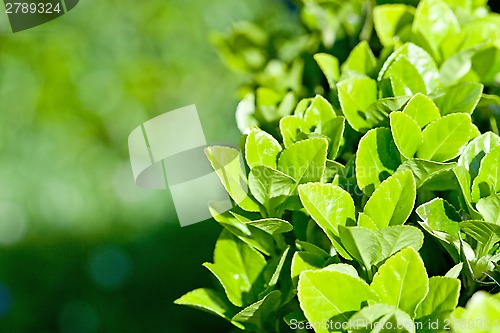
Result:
[{"x": 82, "y": 248}]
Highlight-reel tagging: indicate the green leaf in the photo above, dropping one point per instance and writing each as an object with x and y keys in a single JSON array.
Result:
[
  {"x": 458, "y": 66},
  {"x": 306, "y": 261},
  {"x": 462, "y": 97},
  {"x": 272, "y": 106},
  {"x": 489, "y": 208},
  {"x": 325, "y": 295},
  {"x": 343, "y": 268},
  {"x": 273, "y": 271},
  {"x": 333, "y": 170},
  {"x": 355, "y": 96},
  {"x": 460, "y": 5},
  {"x": 301, "y": 107},
  {"x": 434, "y": 21},
  {"x": 256, "y": 317},
  {"x": 366, "y": 221},
  {"x": 486, "y": 234},
  {"x": 442, "y": 296},
  {"x": 290, "y": 126},
  {"x": 261, "y": 149},
  {"x": 439, "y": 215},
  {"x": 422, "y": 109},
  {"x": 377, "y": 158},
  {"x": 397, "y": 196},
  {"x": 319, "y": 112},
  {"x": 287, "y": 103},
  {"x": 482, "y": 309},
  {"x": 472, "y": 154},
  {"x": 381, "y": 318},
  {"x": 334, "y": 130},
  {"x": 444, "y": 181},
  {"x": 424, "y": 171},
  {"x": 320, "y": 118},
  {"x": 361, "y": 244},
  {"x": 361, "y": 60},
  {"x": 245, "y": 113},
  {"x": 248, "y": 38},
  {"x": 267, "y": 101},
  {"x": 444, "y": 137},
  {"x": 308, "y": 135},
  {"x": 455, "y": 271},
  {"x": 208, "y": 300},
  {"x": 329, "y": 66},
  {"x": 270, "y": 187},
  {"x": 406, "y": 133},
  {"x": 464, "y": 181},
  {"x": 404, "y": 78},
  {"x": 226, "y": 218},
  {"x": 395, "y": 238},
  {"x": 305, "y": 160},
  {"x": 486, "y": 63},
  {"x": 434, "y": 323},
  {"x": 227, "y": 163},
  {"x": 419, "y": 58},
  {"x": 378, "y": 112},
  {"x": 329, "y": 206},
  {"x": 390, "y": 20},
  {"x": 237, "y": 267},
  {"x": 309, "y": 247},
  {"x": 294, "y": 318},
  {"x": 252, "y": 236},
  {"x": 487, "y": 181},
  {"x": 402, "y": 281},
  {"x": 271, "y": 226}
]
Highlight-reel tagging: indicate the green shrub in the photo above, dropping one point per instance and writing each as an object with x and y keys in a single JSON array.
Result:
[{"x": 378, "y": 200}]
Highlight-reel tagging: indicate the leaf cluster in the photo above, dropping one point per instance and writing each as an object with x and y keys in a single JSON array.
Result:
[{"x": 375, "y": 204}]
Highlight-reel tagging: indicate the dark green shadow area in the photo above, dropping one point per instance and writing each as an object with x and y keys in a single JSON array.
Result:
[{"x": 83, "y": 249}]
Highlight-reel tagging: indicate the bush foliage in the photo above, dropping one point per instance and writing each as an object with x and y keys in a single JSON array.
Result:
[{"x": 372, "y": 170}]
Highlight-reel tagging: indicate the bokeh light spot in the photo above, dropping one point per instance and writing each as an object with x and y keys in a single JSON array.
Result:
[
  {"x": 5, "y": 300},
  {"x": 110, "y": 267}
]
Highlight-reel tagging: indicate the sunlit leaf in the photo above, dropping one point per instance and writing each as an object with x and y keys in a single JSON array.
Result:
[
  {"x": 355, "y": 96},
  {"x": 210, "y": 301},
  {"x": 422, "y": 109},
  {"x": 377, "y": 158},
  {"x": 261, "y": 149},
  {"x": 442, "y": 296},
  {"x": 362, "y": 244},
  {"x": 330, "y": 294},
  {"x": 330, "y": 67},
  {"x": 462, "y": 97},
  {"x": 487, "y": 181},
  {"x": 227, "y": 163},
  {"x": 397, "y": 195},
  {"x": 390, "y": 20},
  {"x": 237, "y": 267},
  {"x": 402, "y": 281},
  {"x": 444, "y": 137},
  {"x": 406, "y": 133},
  {"x": 305, "y": 160},
  {"x": 270, "y": 187}
]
